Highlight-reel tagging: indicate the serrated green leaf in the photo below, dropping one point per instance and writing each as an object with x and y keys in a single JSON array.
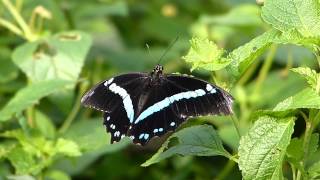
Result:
[
  {"x": 306, "y": 98},
  {"x": 205, "y": 54},
  {"x": 196, "y": 141},
  {"x": 302, "y": 15},
  {"x": 309, "y": 74},
  {"x": 262, "y": 150},
  {"x": 58, "y": 57},
  {"x": 29, "y": 96},
  {"x": 243, "y": 56},
  {"x": 67, "y": 147}
]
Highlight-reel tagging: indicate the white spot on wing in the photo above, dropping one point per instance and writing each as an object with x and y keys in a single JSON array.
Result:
[
  {"x": 108, "y": 82},
  {"x": 172, "y": 123},
  {"x": 209, "y": 87}
]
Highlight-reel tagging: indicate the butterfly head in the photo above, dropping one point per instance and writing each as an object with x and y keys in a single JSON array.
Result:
[{"x": 157, "y": 69}]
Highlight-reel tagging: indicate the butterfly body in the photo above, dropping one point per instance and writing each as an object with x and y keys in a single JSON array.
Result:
[{"x": 144, "y": 105}]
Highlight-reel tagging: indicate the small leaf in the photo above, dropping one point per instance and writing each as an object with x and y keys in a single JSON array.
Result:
[
  {"x": 196, "y": 141},
  {"x": 244, "y": 56},
  {"x": 301, "y": 15},
  {"x": 205, "y": 54},
  {"x": 262, "y": 150},
  {"x": 29, "y": 96},
  {"x": 67, "y": 147},
  {"x": 309, "y": 74},
  {"x": 58, "y": 57}
]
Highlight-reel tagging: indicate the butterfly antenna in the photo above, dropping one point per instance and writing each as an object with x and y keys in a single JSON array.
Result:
[
  {"x": 168, "y": 48},
  {"x": 148, "y": 48}
]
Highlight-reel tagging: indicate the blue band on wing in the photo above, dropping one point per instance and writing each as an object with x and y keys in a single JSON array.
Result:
[{"x": 169, "y": 100}]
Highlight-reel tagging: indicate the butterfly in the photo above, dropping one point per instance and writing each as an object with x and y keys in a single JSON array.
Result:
[{"x": 144, "y": 105}]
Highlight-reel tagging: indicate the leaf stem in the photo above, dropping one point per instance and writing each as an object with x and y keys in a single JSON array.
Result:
[
  {"x": 72, "y": 115},
  {"x": 11, "y": 27},
  {"x": 236, "y": 124}
]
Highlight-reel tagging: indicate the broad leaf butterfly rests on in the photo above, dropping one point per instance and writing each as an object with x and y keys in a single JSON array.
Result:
[{"x": 144, "y": 105}]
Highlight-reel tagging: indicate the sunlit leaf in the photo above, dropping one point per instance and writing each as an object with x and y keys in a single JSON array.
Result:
[
  {"x": 262, "y": 150},
  {"x": 58, "y": 57},
  {"x": 244, "y": 56},
  {"x": 206, "y": 54},
  {"x": 302, "y": 15}
]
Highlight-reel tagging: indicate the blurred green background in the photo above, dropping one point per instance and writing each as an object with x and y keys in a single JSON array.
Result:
[{"x": 120, "y": 31}]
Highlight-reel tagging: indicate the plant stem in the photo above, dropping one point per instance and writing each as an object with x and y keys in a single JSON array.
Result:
[
  {"x": 236, "y": 124},
  {"x": 226, "y": 170},
  {"x": 21, "y": 22},
  {"x": 265, "y": 69},
  {"x": 72, "y": 115},
  {"x": 13, "y": 28},
  {"x": 247, "y": 75}
]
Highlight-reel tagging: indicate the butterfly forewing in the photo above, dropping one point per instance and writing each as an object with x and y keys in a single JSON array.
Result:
[{"x": 116, "y": 97}]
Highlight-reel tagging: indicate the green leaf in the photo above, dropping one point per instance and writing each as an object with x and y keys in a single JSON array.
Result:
[
  {"x": 196, "y": 141},
  {"x": 67, "y": 147},
  {"x": 314, "y": 143},
  {"x": 262, "y": 150},
  {"x": 205, "y": 54},
  {"x": 244, "y": 56},
  {"x": 29, "y": 96},
  {"x": 314, "y": 171},
  {"x": 301, "y": 15},
  {"x": 57, "y": 175},
  {"x": 6, "y": 147},
  {"x": 44, "y": 124},
  {"x": 95, "y": 139},
  {"x": 23, "y": 161},
  {"x": 58, "y": 57},
  {"x": 309, "y": 74},
  {"x": 242, "y": 15},
  {"x": 295, "y": 149},
  {"x": 306, "y": 98}
]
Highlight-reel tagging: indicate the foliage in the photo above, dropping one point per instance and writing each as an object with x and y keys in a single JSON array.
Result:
[{"x": 51, "y": 52}]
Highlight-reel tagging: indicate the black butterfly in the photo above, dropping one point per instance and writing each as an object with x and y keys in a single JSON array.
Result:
[{"x": 144, "y": 105}]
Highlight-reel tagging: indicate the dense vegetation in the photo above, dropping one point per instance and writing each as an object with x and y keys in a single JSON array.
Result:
[{"x": 266, "y": 53}]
